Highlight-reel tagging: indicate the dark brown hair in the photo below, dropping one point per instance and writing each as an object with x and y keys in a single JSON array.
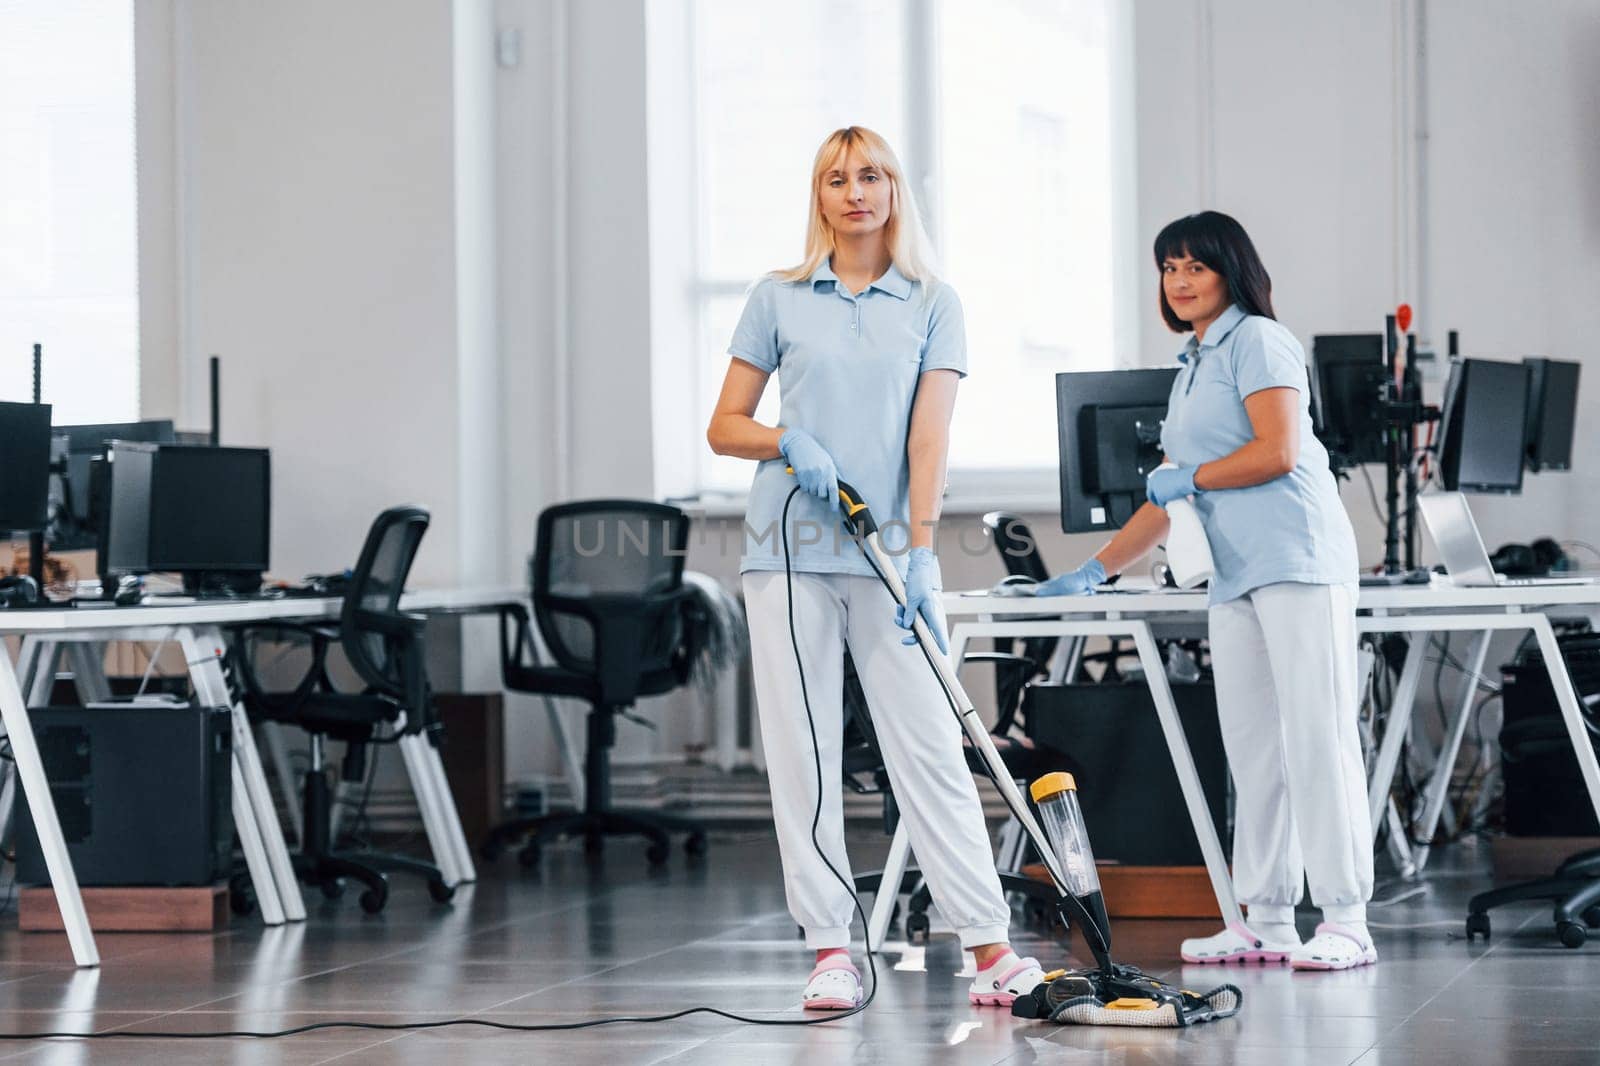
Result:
[{"x": 1218, "y": 241}]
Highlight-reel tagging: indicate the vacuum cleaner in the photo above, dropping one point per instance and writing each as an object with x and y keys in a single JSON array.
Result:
[{"x": 1109, "y": 993}]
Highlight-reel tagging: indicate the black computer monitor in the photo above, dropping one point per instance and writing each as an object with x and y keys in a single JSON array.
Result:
[
  {"x": 84, "y": 445},
  {"x": 24, "y": 467},
  {"x": 1108, "y": 426},
  {"x": 200, "y": 511},
  {"x": 1349, "y": 373},
  {"x": 1484, "y": 421},
  {"x": 1552, "y": 413}
]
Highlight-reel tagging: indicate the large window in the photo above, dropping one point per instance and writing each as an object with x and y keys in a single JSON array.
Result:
[
  {"x": 1002, "y": 115},
  {"x": 68, "y": 222}
]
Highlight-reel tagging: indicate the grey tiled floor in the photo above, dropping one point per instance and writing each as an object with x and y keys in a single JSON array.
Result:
[{"x": 610, "y": 938}]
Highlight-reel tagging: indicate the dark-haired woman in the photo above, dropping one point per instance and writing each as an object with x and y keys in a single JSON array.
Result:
[{"x": 1282, "y": 600}]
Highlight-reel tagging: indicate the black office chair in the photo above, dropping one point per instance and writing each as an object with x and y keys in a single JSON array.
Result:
[
  {"x": 612, "y": 608},
  {"x": 1020, "y": 555},
  {"x": 385, "y": 648},
  {"x": 1016, "y": 662}
]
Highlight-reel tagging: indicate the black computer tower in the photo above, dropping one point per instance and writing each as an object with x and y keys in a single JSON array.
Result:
[
  {"x": 144, "y": 794},
  {"x": 1113, "y": 745},
  {"x": 1544, "y": 791}
]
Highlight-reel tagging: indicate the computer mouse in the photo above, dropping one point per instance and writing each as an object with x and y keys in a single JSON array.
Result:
[{"x": 18, "y": 590}]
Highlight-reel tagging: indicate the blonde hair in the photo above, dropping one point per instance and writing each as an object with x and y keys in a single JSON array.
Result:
[{"x": 909, "y": 247}]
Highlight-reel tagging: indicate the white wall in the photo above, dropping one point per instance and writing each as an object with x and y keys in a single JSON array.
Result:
[
  {"x": 317, "y": 247},
  {"x": 1297, "y": 119}
]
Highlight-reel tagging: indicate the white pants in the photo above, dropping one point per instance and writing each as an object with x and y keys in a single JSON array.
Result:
[
  {"x": 920, "y": 738},
  {"x": 1284, "y": 657}
]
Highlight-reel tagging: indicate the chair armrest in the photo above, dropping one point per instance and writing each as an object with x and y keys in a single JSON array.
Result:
[
  {"x": 513, "y": 646},
  {"x": 1021, "y": 667},
  {"x": 1000, "y": 657}
]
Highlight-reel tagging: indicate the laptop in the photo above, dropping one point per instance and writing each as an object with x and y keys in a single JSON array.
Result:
[{"x": 1461, "y": 547}]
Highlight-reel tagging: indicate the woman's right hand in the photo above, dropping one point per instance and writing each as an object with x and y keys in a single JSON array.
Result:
[
  {"x": 812, "y": 465},
  {"x": 1074, "y": 582}
]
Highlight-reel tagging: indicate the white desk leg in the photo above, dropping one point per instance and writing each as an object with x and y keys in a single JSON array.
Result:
[
  {"x": 1443, "y": 768},
  {"x": 29, "y": 656},
  {"x": 43, "y": 678},
  {"x": 88, "y": 658},
  {"x": 1194, "y": 796},
  {"x": 423, "y": 787},
  {"x": 1568, "y": 699},
  {"x": 202, "y": 649},
  {"x": 452, "y": 815},
  {"x": 1394, "y": 731},
  {"x": 255, "y": 850},
  {"x": 8, "y": 799},
  {"x": 894, "y": 871},
  {"x": 35, "y": 787},
  {"x": 283, "y": 771}
]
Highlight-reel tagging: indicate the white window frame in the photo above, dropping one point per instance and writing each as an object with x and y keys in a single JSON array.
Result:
[{"x": 969, "y": 490}]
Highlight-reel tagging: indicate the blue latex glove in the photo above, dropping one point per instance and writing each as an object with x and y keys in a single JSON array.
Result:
[
  {"x": 813, "y": 466},
  {"x": 1164, "y": 486},
  {"x": 1079, "y": 582},
  {"x": 923, "y": 585}
]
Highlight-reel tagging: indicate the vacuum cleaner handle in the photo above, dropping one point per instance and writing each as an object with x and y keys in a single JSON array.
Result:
[{"x": 858, "y": 520}]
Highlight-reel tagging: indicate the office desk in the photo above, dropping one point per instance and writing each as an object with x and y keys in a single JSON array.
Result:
[
  {"x": 1416, "y": 609},
  {"x": 197, "y": 629}
]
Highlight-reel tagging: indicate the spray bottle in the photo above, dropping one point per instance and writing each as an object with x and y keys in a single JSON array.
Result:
[{"x": 1188, "y": 550}]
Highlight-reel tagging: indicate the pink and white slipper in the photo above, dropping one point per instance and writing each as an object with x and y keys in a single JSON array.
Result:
[
  {"x": 1004, "y": 979},
  {"x": 1236, "y": 943},
  {"x": 834, "y": 985},
  {"x": 1335, "y": 947}
]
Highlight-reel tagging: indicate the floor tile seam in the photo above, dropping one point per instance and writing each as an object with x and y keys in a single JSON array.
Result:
[
  {"x": 398, "y": 953},
  {"x": 634, "y": 962},
  {"x": 364, "y": 1047},
  {"x": 1457, "y": 976}
]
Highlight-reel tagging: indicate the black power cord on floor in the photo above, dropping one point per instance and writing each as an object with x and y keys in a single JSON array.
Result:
[{"x": 593, "y": 1023}]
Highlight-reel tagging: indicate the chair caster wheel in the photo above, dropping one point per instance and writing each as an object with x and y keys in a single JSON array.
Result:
[
  {"x": 1477, "y": 925},
  {"x": 917, "y": 928},
  {"x": 372, "y": 902},
  {"x": 1591, "y": 917},
  {"x": 333, "y": 888},
  {"x": 695, "y": 845},
  {"x": 657, "y": 854},
  {"x": 529, "y": 856},
  {"x": 1572, "y": 934},
  {"x": 441, "y": 892}
]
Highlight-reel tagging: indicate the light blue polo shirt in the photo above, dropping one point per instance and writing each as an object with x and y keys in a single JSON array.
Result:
[
  {"x": 847, "y": 367},
  {"x": 1292, "y": 528}
]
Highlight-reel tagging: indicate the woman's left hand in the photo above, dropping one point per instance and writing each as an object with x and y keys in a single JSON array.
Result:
[
  {"x": 923, "y": 585},
  {"x": 1166, "y": 484}
]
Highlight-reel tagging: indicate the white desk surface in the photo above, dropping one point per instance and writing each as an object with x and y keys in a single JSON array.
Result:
[
  {"x": 1147, "y": 599},
  {"x": 229, "y": 612}
]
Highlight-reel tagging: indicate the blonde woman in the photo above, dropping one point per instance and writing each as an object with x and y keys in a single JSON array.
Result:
[{"x": 868, "y": 347}]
